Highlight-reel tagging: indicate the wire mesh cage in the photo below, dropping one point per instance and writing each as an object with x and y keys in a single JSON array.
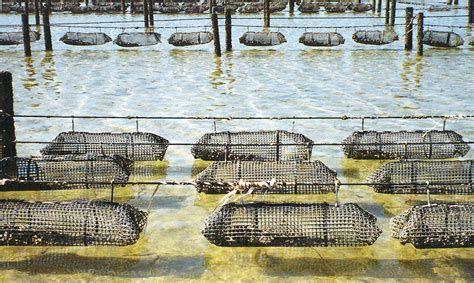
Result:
[
  {"x": 291, "y": 224},
  {"x": 405, "y": 145},
  {"x": 417, "y": 176},
  {"x": 442, "y": 225},
  {"x": 254, "y": 146},
  {"x": 303, "y": 177},
  {"x": 76, "y": 223},
  {"x": 63, "y": 172},
  {"x": 134, "y": 146}
]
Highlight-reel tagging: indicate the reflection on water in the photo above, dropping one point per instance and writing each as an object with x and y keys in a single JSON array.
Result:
[{"x": 30, "y": 78}]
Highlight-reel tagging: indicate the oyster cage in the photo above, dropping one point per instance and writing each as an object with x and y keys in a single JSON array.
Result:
[
  {"x": 291, "y": 224},
  {"x": 306, "y": 177},
  {"x": 411, "y": 177},
  {"x": 253, "y": 146},
  {"x": 63, "y": 172},
  {"x": 396, "y": 145},
  {"x": 76, "y": 223},
  {"x": 443, "y": 225},
  {"x": 135, "y": 146}
]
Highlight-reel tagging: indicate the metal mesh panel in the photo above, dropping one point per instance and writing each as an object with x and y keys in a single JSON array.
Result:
[
  {"x": 436, "y": 226},
  {"x": 409, "y": 177},
  {"x": 260, "y": 145},
  {"x": 291, "y": 224},
  {"x": 134, "y": 146},
  {"x": 77, "y": 223},
  {"x": 305, "y": 175},
  {"x": 69, "y": 171},
  {"x": 395, "y": 145}
]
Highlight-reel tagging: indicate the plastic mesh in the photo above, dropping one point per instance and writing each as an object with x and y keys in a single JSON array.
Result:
[
  {"x": 134, "y": 146},
  {"x": 77, "y": 223},
  {"x": 258, "y": 146},
  {"x": 305, "y": 175},
  {"x": 291, "y": 224},
  {"x": 410, "y": 177},
  {"x": 395, "y": 145},
  {"x": 436, "y": 226},
  {"x": 69, "y": 171}
]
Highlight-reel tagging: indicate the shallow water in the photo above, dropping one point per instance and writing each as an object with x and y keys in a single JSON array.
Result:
[{"x": 283, "y": 81}]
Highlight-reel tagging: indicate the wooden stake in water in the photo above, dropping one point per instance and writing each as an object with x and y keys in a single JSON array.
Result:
[
  {"x": 470, "y": 8},
  {"x": 215, "y": 31},
  {"x": 393, "y": 11},
  {"x": 373, "y": 5},
  {"x": 7, "y": 123},
  {"x": 145, "y": 13},
  {"x": 26, "y": 34},
  {"x": 47, "y": 30},
  {"x": 151, "y": 7},
  {"x": 419, "y": 35},
  {"x": 409, "y": 28},
  {"x": 122, "y": 6},
  {"x": 228, "y": 29},
  {"x": 292, "y": 6},
  {"x": 379, "y": 6},
  {"x": 266, "y": 13},
  {"x": 37, "y": 12},
  {"x": 387, "y": 12}
]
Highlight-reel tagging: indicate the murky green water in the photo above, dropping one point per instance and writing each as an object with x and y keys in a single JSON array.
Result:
[{"x": 287, "y": 80}]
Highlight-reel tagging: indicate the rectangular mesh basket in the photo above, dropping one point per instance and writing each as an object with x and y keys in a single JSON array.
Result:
[
  {"x": 442, "y": 225},
  {"x": 75, "y": 223},
  {"x": 411, "y": 177},
  {"x": 253, "y": 146},
  {"x": 291, "y": 224},
  {"x": 63, "y": 172},
  {"x": 135, "y": 146},
  {"x": 305, "y": 177},
  {"x": 405, "y": 145}
]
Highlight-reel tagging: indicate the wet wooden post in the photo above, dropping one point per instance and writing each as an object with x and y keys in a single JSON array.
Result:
[
  {"x": 123, "y": 6},
  {"x": 145, "y": 13},
  {"x": 47, "y": 30},
  {"x": 379, "y": 6},
  {"x": 228, "y": 29},
  {"x": 37, "y": 12},
  {"x": 132, "y": 6},
  {"x": 26, "y": 34},
  {"x": 419, "y": 35},
  {"x": 215, "y": 32},
  {"x": 409, "y": 28},
  {"x": 387, "y": 12},
  {"x": 266, "y": 13},
  {"x": 8, "y": 148},
  {"x": 393, "y": 11},
  {"x": 151, "y": 16},
  {"x": 292, "y": 6},
  {"x": 373, "y": 5},
  {"x": 470, "y": 8}
]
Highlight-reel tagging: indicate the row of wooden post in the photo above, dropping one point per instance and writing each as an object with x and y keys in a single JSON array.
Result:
[{"x": 46, "y": 26}]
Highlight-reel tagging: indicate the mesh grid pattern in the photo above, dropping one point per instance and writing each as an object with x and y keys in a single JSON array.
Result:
[
  {"x": 77, "y": 223},
  {"x": 400, "y": 177},
  {"x": 380, "y": 145},
  {"x": 442, "y": 225},
  {"x": 291, "y": 224},
  {"x": 302, "y": 173},
  {"x": 134, "y": 146},
  {"x": 255, "y": 146},
  {"x": 63, "y": 169}
]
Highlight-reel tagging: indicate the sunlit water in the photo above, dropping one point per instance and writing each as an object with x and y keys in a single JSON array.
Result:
[{"x": 287, "y": 80}]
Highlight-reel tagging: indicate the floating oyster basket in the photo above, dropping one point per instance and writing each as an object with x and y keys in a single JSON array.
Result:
[
  {"x": 291, "y": 224},
  {"x": 253, "y": 146},
  {"x": 443, "y": 225},
  {"x": 416, "y": 176},
  {"x": 305, "y": 177},
  {"x": 134, "y": 146},
  {"x": 405, "y": 145},
  {"x": 75, "y": 223}
]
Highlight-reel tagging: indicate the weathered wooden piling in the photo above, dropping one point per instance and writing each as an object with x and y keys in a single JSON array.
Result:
[
  {"x": 379, "y": 6},
  {"x": 387, "y": 12},
  {"x": 145, "y": 13},
  {"x": 37, "y": 12},
  {"x": 419, "y": 35},
  {"x": 26, "y": 34},
  {"x": 122, "y": 6},
  {"x": 151, "y": 17},
  {"x": 470, "y": 8},
  {"x": 228, "y": 29},
  {"x": 409, "y": 28},
  {"x": 393, "y": 11},
  {"x": 132, "y": 6},
  {"x": 47, "y": 30},
  {"x": 215, "y": 31},
  {"x": 292, "y": 6},
  {"x": 7, "y": 124},
  {"x": 266, "y": 13},
  {"x": 374, "y": 3}
]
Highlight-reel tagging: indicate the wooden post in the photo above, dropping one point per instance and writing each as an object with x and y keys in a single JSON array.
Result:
[
  {"x": 145, "y": 13},
  {"x": 132, "y": 6},
  {"x": 292, "y": 6},
  {"x": 266, "y": 13},
  {"x": 27, "y": 7},
  {"x": 393, "y": 11},
  {"x": 122, "y": 6},
  {"x": 373, "y": 5},
  {"x": 470, "y": 7},
  {"x": 228, "y": 29},
  {"x": 387, "y": 12},
  {"x": 379, "y": 6},
  {"x": 151, "y": 16},
  {"x": 456, "y": 2},
  {"x": 7, "y": 124},
  {"x": 26, "y": 34},
  {"x": 409, "y": 28},
  {"x": 419, "y": 35},
  {"x": 37, "y": 12},
  {"x": 215, "y": 32},
  {"x": 47, "y": 30},
  {"x": 48, "y": 5}
]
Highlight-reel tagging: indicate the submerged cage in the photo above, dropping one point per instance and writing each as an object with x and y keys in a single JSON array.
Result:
[
  {"x": 253, "y": 146},
  {"x": 63, "y": 172},
  {"x": 405, "y": 145},
  {"x": 303, "y": 177},
  {"x": 76, "y": 223},
  {"x": 443, "y": 225},
  {"x": 291, "y": 224},
  {"x": 417, "y": 176},
  {"x": 134, "y": 146}
]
